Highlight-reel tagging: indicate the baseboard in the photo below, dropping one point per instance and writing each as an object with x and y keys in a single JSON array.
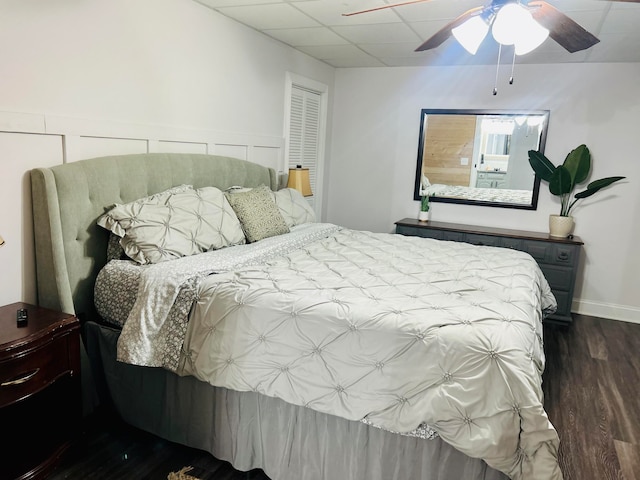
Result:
[{"x": 611, "y": 311}]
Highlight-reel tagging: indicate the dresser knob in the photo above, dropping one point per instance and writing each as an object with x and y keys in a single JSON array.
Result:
[{"x": 563, "y": 256}]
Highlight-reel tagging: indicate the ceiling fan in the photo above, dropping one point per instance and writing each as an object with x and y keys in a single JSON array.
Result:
[{"x": 472, "y": 26}]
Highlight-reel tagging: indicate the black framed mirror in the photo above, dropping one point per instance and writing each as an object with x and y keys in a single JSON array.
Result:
[{"x": 479, "y": 157}]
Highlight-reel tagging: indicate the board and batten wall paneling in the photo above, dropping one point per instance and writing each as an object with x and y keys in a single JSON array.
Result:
[
  {"x": 30, "y": 140},
  {"x": 21, "y": 153}
]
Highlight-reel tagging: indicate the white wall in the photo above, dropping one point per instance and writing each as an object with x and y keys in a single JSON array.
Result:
[
  {"x": 106, "y": 68},
  {"x": 374, "y": 148}
]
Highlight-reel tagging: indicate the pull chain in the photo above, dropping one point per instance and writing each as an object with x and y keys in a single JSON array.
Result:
[
  {"x": 513, "y": 67},
  {"x": 495, "y": 84}
]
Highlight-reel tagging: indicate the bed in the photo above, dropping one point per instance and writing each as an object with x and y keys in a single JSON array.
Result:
[{"x": 353, "y": 373}]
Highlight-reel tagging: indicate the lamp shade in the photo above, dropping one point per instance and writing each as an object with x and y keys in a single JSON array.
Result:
[
  {"x": 471, "y": 33},
  {"x": 299, "y": 179}
]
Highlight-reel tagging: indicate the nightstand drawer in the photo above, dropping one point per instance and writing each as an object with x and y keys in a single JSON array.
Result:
[{"x": 28, "y": 373}]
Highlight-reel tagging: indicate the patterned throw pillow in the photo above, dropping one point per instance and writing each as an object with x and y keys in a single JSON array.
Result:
[
  {"x": 293, "y": 207},
  {"x": 183, "y": 223},
  {"x": 258, "y": 213},
  {"x": 114, "y": 249}
]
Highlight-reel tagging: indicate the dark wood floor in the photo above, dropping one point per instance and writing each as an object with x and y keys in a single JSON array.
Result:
[
  {"x": 113, "y": 450},
  {"x": 592, "y": 395}
]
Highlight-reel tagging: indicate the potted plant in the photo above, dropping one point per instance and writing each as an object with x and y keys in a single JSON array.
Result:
[
  {"x": 423, "y": 215},
  {"x": 563, "y": 180}
]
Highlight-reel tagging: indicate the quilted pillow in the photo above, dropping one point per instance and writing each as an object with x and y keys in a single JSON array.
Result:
[
  {"x": 258, "y": 213},
  {"x": 114, "y": 248},
  {"x": 183, "y": 223},
  {"x": 293, "y": 207}
]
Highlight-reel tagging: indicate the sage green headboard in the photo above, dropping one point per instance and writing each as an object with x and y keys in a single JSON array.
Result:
[{"x": 67, "y": 200}]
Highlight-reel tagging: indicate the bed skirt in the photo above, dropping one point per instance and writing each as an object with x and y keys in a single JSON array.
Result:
[{"x": 250, "y": 430}]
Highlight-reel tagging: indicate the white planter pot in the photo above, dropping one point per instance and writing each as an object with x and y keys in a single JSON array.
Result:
[
  {"x": 559, "y": 226},
  {"x": 423, "y": 216}
]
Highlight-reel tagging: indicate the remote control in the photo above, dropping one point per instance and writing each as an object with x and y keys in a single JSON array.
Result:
[{"x": 21, "y": 317}]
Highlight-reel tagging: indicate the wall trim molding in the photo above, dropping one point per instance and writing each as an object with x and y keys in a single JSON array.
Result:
[
  {"x": 258, "y": 148},
  {"x": 611, "y": 311}
]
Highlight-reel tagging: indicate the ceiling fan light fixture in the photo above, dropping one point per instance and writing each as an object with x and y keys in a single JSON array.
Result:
[
  {"x": 471, "y": 33},
  {"x": 510, "y": 21},
  {"x": 531, "y": 37}
]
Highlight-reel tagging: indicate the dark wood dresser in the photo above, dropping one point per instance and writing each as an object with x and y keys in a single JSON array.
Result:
[
  {"x": 40, "y": 398},
  {"x": 558, "y": 257}
]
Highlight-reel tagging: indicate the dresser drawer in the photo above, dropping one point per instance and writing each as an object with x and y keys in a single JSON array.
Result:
[
  {"x": 513, "y": 243},
  {"x": 453, "y": 236},
  {"x": 559, "y": 278},
  {"x": 482, "y": 240},
  {"x": 540, "y": 251},
  {"x": 28, "y": 373},
  {"x": 564, "y": 255},
  {"x": 419, "y": 232},
  {"x": 564, "y": 303}
]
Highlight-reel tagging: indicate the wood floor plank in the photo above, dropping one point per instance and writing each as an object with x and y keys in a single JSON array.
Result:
[{"x": 629, "y": 456}]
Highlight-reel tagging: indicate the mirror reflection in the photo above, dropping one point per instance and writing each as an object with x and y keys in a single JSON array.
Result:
[{"x": 479, "y": 157}]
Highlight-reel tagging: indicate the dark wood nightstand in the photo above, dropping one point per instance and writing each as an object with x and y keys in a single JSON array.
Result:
[{"x": 40, "y": 398}]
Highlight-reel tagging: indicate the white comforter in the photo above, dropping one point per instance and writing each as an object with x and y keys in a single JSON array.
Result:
[{"x": 401, "y": 331}]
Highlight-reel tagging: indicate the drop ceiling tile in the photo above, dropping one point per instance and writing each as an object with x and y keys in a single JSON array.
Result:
[
  {"x": 272, "y": 16},
  {"x": 324, "y": 52},
  {"x": 560, "y": 56},
  {"x": 621, "y": 22},
  {"x": 587, "y": 19},
  {"x": 615, "y": 48},
  {"x": 384, "y": 33},
  {"x": 298, "y": 37},
  {"x": 421, "y": 59},
  {"x": 579, "y": 5},
  {"x": 232, "y": 3},
  {"x": 389, "y": 37},
  {"x": 329, "y": 12},
  {"x": 426, "y": 29},
  {"x": 441, "y": 10},
  {"x": 357, "y": 62},
  {"x": 392, "y": 50}
]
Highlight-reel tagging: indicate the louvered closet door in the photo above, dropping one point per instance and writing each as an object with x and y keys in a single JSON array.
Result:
[{"x": 304, "y": 133}]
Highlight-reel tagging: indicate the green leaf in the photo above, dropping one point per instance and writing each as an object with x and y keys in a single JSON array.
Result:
[
  {"x": 596, "y": 185},
  {"x": 560, "y": 183},
  {"x": 578, "y": 164},
  {"x": 541, "y": 165}
]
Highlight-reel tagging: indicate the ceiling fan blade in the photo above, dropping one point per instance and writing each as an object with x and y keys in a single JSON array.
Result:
[
  {"x": 384, "y": 7},
  {"x": 445, "y": 32},
  {"x": 567, "y": 33}
]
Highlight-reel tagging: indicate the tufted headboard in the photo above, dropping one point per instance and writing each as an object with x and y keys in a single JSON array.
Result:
[{"x": 67, "y": 200}]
